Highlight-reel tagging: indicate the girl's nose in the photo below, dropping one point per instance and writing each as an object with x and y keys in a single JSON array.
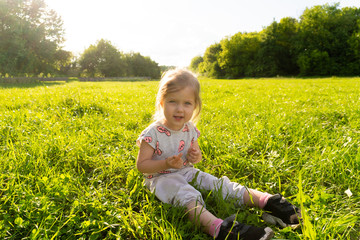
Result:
[{"x": 180, "y": 108}]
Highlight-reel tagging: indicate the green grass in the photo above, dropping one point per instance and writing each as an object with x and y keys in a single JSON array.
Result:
[{"x": 68, "y": 154}]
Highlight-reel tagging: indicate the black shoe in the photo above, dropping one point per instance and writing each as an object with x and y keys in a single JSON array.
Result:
[
  {"x": 280, "y": 211},
  {"x": 231, "y": 230}
]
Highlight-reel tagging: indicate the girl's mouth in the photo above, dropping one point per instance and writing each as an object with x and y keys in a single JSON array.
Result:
[{"x": 178, "y": 118}]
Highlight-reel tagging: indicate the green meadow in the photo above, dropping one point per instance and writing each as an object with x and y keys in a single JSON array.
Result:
[{"x": 68, "y": 151}]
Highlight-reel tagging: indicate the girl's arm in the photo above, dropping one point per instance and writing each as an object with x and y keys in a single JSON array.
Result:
[
  {"x": 194, "y": 153},
  {"x": 145, "y": 164}
]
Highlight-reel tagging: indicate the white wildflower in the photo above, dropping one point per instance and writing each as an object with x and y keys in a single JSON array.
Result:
[{"x": 348, "y": 192}]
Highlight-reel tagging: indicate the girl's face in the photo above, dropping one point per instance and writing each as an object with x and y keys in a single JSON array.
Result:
[{"x": 178, "y": 108}]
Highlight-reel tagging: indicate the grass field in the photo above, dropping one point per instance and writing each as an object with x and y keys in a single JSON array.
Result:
[{"x": 68, "y": 154}]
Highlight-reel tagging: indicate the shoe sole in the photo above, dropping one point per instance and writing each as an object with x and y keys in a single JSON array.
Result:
[
  {"x": 269, "y": 233},
  {"x": 275, "y": 220}
]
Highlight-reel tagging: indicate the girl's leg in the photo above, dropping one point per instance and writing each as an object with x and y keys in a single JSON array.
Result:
[
  {"x": 249, "y": 197},
  {"x": 227, "y": 188},
  {"x": 254, "y": 198},
  {"x": 174, "y": 189},
  {"x": 203, "y": 218},
  {"x": 278, "y": 211},
  {"x": 216, "y": 227},
  {"x": 228, "y": 228}
]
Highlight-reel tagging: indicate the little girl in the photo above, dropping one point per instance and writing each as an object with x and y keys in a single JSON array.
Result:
[{"x": 168, "y": 151}]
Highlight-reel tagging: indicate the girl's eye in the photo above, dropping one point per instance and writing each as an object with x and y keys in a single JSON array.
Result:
[{"x": 188, "y": 103}]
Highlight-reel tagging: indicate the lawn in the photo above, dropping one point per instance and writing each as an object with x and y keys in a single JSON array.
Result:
[{"x": 68, "y": 154}]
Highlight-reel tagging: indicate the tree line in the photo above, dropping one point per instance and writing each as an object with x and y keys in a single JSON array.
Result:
[
  {"x": 325, "y": 41},
  {"x": 31, "y": 38}
]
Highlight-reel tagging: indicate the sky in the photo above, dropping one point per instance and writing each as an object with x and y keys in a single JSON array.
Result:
[{"x": 170, "y": 32}]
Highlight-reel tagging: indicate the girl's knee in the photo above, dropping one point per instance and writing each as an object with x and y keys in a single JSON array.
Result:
[{"x": 190, "y": 197}]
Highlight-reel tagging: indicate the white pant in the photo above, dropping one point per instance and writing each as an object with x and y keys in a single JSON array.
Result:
[{"x": 174, "y": 188}]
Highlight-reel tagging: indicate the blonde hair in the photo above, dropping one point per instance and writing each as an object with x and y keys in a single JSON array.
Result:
[{"x": 175, "y": 80}]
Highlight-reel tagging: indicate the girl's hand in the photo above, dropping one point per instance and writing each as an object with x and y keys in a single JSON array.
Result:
[
  {"x": 174, "y": 161},
  {"x": 193, "y": 155}
]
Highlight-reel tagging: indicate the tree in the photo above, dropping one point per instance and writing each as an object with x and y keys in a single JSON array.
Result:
[
  {"x": 195, "y": 62},
  {"x": 314, "y": 63},
  {"x": 30, "y": 37},
  {"x": 110, "y": 62},
  {"x": 63, "y": 62},
  {"x": 102, "y": 60},
  {"x": 354, "y": 50},
  {"x": 326, "y": 40},
  {"x": 140, "y": 66},
  {"x": 88, "y": 62},
  {"x": 105, "y": 60},
  {"x": 238, "y": 55},
  {"x": 210, "y": 66},
  {"x": 277, "y": 55}
]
